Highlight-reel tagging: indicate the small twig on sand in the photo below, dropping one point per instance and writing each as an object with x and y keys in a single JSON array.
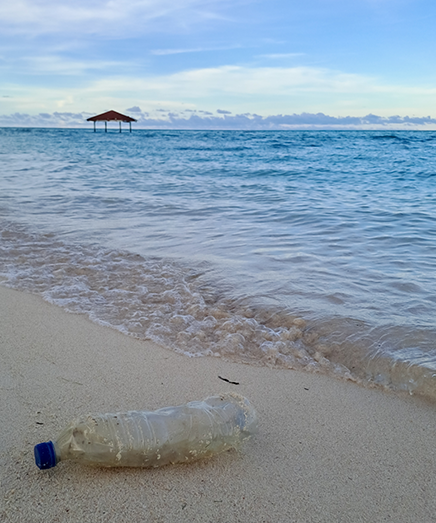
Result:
[{"x": 228, "y": 381}]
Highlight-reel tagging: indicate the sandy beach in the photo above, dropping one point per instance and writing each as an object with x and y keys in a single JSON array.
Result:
[{"x": 326, "y": 451}]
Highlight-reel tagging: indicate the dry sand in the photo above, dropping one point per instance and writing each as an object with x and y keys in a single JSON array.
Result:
[{"x": 327, "y": 451}]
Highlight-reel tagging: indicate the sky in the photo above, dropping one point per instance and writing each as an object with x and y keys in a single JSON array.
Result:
[{"x": 224, "y": 64}]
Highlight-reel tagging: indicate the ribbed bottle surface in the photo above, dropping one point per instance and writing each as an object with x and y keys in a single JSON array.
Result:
[{"x": 185, "y": 433}]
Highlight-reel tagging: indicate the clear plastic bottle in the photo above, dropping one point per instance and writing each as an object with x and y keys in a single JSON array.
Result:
[{"x": 181, "y": 434}]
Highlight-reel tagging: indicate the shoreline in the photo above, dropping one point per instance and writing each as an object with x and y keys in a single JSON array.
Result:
[{"x": 327, "y": 450}]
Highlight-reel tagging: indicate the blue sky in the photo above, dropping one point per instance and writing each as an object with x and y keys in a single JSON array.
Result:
[{"x": 212, "y": 63}]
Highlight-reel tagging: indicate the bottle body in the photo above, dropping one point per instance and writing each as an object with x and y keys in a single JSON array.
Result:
[{"x": 180, "y": 434}]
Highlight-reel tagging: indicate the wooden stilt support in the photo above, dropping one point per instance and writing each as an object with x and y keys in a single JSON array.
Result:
[
  {"x": 105, "y": 126},
  {"x": 94, "y": 126},
  {"x": 120, "y": 126},
  {"x": 130, "y": 126}
]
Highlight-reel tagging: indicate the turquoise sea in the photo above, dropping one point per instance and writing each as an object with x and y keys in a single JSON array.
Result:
[{"x": 309, "y": 250}]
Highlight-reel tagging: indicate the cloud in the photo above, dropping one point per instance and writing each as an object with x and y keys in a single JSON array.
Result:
[
  {"x": 163, "y": 52},
  {"x": 279, "y": 56},
  {"x": 222, "y": 111},
  {"x": 245, "y": 81},
  {"x": 58, "y": 65},
  {"x": 37, "y": 17},
  {"x": 55, "y": 119},
  {"x": 246, "y": 121}
]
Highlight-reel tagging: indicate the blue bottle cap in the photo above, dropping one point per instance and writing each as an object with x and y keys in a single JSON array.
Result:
[{"x": 45, "y": 455}]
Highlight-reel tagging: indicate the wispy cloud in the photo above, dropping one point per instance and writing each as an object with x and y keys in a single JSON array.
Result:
[
  {"x": 232, "y": 79},
  {"x": 280, "y": 56},
  {"x": 59, "y": 65},
  {"x": 163, "y": 52},
  {"x": 102, "y": 16},
  {"x": 266, "y": 81}
]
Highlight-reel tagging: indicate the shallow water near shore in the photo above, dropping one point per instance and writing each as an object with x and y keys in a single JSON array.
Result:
[{"x": 307, "y": 250}]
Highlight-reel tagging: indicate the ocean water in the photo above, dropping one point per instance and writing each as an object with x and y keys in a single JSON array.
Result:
[{"x": 307, "y": 250}]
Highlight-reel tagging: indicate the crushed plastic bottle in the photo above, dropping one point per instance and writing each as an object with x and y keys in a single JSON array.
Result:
[{"x": 180, "y": 434}]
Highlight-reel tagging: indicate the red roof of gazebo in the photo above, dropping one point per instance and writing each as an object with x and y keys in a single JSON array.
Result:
[{"x": 111, "y": 116}]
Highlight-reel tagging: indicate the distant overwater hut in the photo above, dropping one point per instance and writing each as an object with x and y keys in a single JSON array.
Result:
[{"x": 111, "y": 116}]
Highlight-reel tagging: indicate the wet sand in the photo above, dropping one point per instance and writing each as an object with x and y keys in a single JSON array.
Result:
[{"x": 326, "y": 451}]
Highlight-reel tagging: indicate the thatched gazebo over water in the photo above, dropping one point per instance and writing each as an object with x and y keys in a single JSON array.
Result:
[{"x": 111, "y": 116}]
